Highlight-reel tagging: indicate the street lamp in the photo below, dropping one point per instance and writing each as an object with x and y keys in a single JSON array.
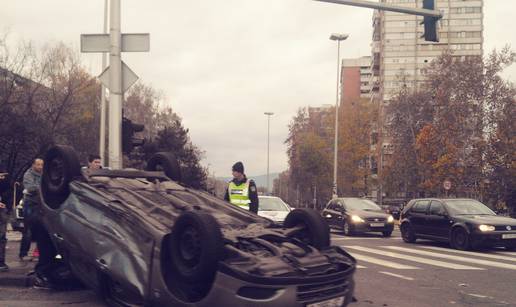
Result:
[
  {"x": 268, "y": 142},
  {"x": 337, "y": 37}
]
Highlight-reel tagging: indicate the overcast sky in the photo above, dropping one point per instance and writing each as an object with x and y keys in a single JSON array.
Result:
[{"x": 221, "y": 64}]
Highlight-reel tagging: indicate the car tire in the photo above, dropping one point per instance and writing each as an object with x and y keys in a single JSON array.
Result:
[
  {"x": 195, "y": 247},
  {"x": 386, "y": 234},
  {"x": 460, "y": 239},
  {"x": 316, "y": 231},
  {"x": 166, "y": 162},
  {"x": 407, "y": 234},
  {"x": 60, "y": 168},
  {"x": 346, "y": 229}
]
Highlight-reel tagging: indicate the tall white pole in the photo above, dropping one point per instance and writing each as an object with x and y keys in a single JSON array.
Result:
[
  {"x": 102, "y": 143},
  {"x": 334, "y": 194},
  {"x": 268, "y": 145},
  {"x": 115, "y": 85}
]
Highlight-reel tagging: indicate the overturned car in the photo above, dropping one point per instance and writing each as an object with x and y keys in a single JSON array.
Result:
[{"x": 141, "y": 238}]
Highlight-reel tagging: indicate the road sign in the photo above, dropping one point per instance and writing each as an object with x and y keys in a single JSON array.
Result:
[
  {"x": 128, "y": 77},
  {"x": 447, "y": 184}
]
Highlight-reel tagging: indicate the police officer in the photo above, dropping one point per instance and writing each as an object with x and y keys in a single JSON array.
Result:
[{"x": 242, "y": 191}]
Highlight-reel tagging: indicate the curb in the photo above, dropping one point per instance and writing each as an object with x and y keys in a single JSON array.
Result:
[{"x": 14, "y": 281}]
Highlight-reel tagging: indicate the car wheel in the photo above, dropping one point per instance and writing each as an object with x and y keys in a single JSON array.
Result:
[
  {"x": 60, "y": 168},
  {"x": 166, "y": 162},
  {"x": 460, "y": 239},
  {"x": 407, "y": 234},
  {"x": 195, "y": 247},
  {"x": 387, "y": 233},
  {"x": 347, "y": 229},
  {"x": 315, "y": 232}
]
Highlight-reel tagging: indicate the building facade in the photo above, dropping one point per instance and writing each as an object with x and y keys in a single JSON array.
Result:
[
  {"x": 400, "y": 56},
  {"x": 355, "y": 79}
]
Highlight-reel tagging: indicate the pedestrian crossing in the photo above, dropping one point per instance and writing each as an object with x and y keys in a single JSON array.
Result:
[{"x": 423, "y": 257}]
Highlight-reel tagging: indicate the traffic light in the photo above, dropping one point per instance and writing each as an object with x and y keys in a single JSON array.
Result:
[
  {"x": 128, "y": 130},
  {"x": 431, "y": 34}
]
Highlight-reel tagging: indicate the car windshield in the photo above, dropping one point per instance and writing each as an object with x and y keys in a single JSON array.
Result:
[
  {"x": 361, "y": 204},
  {"x": 467, "y": 207},
  {"x": 271, "y": 204}
]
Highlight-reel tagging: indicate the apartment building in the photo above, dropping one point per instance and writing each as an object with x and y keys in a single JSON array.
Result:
[
  {"x": 355, "y": 79},
  {"x": 400, "y": 56}
]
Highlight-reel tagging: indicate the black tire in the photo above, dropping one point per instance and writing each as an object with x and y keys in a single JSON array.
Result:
[
  {"x": 60, "y": 168},
  {"x": 407, "y": 234},
  {"x": 460, "y": 239},
  {"x": 316, "y": 231},
  {"x": 195, "y": 247},
  {"x": 346, "y": 229},
  {"x": 386, "y": 234},
  {"x": 166, "y": 162}
]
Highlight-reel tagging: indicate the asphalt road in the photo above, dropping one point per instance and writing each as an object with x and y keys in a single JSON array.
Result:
[
  {"x": 390, "y": 273},
  {"x": 427, "y": 274}
]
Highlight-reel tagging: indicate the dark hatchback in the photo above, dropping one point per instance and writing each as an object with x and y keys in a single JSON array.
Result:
[
  {"x": 464, "y": 223},
  {"x": 354, "y": 215}
]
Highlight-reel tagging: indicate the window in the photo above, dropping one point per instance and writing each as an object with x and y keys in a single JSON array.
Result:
[
  {"x": 436, "y": 208},
  {"x": 420, "y": 206}
]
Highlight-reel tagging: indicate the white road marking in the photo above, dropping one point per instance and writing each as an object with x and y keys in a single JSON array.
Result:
[
  {"x": 397, "y": 275},
  {"x": 452, "y": 257},
  {"x": 361, "y": 266},
  {"x": 389, "y": 264},
  {"x": 367, "y": 238},
  {"x": 477, "y": 254},
  {"x": 506, "y": 253},
  {"x": 438, "y": 263}
]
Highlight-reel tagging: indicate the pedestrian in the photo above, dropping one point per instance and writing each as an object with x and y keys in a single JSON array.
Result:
[
  {"x": 31, "y": 184},
  {"x": 241, "y": 191},
  {"x": 4, "y": 219},
  {"x": 94, "y": 162}
]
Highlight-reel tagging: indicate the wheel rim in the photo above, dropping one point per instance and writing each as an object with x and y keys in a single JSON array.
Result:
[
  {"x": 460, "y": 238},
  {"x": 190, "y": 247},
  {"x": 56, "y": 172}
]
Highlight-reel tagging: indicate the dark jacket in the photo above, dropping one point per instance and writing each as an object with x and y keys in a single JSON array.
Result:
[{"x": 253, "y": 193}]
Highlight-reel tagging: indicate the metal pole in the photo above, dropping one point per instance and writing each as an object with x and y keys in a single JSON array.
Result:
[
  {"x": 115, "y": 84},
  {"x": 268, "y": 146},
  {"x": 388, "y": 7},
  {"x": 102, "y": 143},
  {"x": 334, "y": 194}
]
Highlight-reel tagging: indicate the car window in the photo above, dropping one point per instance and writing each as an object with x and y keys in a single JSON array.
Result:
[
  {"x": 467, "y": 207},
  {"x": 361, "y": 204},
  {"x": 329, "y": 206},
  {"x": 436, "y": 208},
  {"x": 420, "y": 206},
  {"x": 271, "y": 204}
]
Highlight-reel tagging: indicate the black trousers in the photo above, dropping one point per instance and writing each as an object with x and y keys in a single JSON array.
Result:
[{"x": 47, "y": 251}]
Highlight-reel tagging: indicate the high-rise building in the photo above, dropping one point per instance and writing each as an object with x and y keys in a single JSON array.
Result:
[
  {"x": 400, "y": 56},
  {"x": 355, "y": 79}
]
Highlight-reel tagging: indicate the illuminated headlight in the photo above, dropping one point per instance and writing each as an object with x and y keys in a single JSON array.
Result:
[
  {"x": 486, "y": 228},
  {"x": 390, "y": 219},
  {"x": 357, "y": 219}
]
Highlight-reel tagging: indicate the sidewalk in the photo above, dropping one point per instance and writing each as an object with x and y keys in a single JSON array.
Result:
[{"x": 18, "y": 270}]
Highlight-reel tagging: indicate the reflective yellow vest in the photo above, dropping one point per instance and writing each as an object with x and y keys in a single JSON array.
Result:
[{"x": 239, "y": 194}]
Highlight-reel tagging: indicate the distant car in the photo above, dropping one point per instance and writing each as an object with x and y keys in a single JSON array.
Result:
[
  {"x": 464, "y": 223},
  {"x": 18, "y": 222},
  {"x": 354, "y": 215},
  {"x": 273, "y": 208},
  {"x": 140, "y": 238}
]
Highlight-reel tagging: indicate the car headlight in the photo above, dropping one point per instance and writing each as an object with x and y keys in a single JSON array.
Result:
[
  {"x": 390, "y": 219},
  {"x": 486, "y": 228},
  {"x": 357, "y": 219}
]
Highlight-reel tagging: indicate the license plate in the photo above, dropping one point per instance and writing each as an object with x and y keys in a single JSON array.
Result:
[
  {"x": 377, "y": 224},
  {"x": 334, "y": 302},
  {"x": 509, "y": 236}
]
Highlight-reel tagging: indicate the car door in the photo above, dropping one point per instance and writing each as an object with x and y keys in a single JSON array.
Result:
[
  {"x": 438, "y": 223},
  {"x": 418, "y": 215}
]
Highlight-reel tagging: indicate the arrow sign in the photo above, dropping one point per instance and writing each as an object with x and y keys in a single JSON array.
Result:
[{"x": 128, "y": 77}]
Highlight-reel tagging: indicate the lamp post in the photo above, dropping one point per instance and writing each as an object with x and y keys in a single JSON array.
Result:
[
  {"x": 337, "y": 37},
  {"x": 268, "y": 142}
]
